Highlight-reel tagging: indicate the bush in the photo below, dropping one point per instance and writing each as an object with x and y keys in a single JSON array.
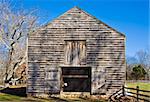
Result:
[{"x": 138, "y": 72}]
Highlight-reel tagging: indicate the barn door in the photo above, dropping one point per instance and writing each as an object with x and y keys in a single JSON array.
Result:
[
  {"x": 52, "y": 81},
  {"x": 75, "y": 52},
  {"x": 76, "y": 79},
  {"x": 98, "y": 82}
]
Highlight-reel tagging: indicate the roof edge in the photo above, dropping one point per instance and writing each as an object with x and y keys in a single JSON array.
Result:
[
  {"x": 122, "y": 34},
  {"x": 100, "y": 21}
]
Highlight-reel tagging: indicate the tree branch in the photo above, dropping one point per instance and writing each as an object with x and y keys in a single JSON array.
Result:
[{"x": 17, "y": 29}]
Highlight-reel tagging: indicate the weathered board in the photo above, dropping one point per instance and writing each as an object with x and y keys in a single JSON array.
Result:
[
  {"x": 76, "y": 39},
  {"x": 75, "y": 52}
]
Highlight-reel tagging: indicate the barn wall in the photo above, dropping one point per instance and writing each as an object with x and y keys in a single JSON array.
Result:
[{"x": 105, "y": 53}]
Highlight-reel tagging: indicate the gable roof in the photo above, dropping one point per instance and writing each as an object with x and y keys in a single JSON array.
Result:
[{"x": 75, "y": 8}]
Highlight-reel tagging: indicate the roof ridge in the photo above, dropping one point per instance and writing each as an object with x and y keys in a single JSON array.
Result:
[
  {"x": 98, "y": 20},
  {"x": 88, "y": 14}
]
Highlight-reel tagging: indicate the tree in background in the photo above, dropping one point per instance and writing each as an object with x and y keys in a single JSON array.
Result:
[
  {"x": 143, "y": 57},
  {"x": 138, "y": 64},
  {"x": 15, "y": 26},
  {"x": 138, "y": 72}
]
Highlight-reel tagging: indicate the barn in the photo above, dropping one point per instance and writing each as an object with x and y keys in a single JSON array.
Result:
[{"x": 75, "y": 54}]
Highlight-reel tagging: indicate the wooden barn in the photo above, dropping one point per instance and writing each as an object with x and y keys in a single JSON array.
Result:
[{"x": 75, "y": 53}]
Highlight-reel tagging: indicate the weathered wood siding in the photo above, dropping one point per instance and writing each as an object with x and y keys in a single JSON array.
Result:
[{"x": 105, "y": 53}]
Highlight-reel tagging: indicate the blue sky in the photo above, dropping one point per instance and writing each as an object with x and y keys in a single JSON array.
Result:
[{"x": 130, "y": 17}]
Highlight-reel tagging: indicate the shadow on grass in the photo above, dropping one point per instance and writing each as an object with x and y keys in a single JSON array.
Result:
[
  {"x": 21, "y": 91},
  {"x": 57, "y": 99}
]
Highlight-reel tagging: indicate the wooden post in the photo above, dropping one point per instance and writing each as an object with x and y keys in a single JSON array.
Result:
[
  {"x": 137, "y": 94},
  {"x": 123, "y": 90}
]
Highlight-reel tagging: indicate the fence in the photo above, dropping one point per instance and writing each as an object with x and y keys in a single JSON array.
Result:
[
  {"x": 133, "y": 81},
  {"x": 136, "y": 93}
]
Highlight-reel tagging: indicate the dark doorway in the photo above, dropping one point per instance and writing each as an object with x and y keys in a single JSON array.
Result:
[{"x": 76, "y": 79}]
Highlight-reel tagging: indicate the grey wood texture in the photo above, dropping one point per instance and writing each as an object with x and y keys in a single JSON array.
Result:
[{"x": 102, "y": 48}]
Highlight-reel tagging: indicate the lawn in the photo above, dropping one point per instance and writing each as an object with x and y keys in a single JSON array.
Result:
[
  {"x": 14, "y": 98},
  {"x": 142, "y": 86},
  {"x": 18, "y": 94}
]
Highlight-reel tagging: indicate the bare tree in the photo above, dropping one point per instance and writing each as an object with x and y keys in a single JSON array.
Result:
[
  {"x": 143, "y": 57},
  {"x": 3, "y": 61},
  {"x": 15, "y": 26}
]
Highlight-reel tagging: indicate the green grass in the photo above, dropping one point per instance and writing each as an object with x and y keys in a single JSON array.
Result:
[
  {"x": 13, "y": 98},
  {"x": 19, "y": 90},
  {"x": 142, "y": 86},
  {"x": 7, "y": 97}
]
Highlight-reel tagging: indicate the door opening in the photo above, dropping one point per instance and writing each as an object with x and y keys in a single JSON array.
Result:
[{"x": 76, "y": 79}]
